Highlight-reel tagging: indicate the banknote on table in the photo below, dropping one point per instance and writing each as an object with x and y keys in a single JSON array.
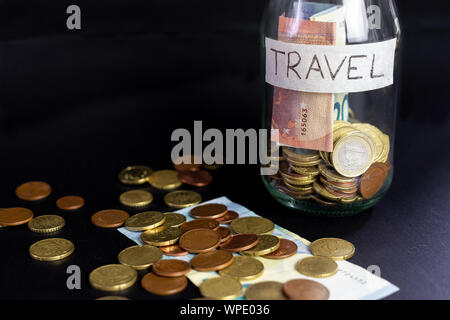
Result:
[{"x": 350, "y": 283}]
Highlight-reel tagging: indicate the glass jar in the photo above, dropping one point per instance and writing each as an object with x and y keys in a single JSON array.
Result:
[{"x": 331, "y": 82}]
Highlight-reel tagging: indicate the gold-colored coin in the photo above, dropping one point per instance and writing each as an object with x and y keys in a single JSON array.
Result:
[
  {"x": 340, "y": 124},
  {"x": 136, "y": 198},
  {"x": 52, "y": 249},
  {"x": 145, "y": 221},
  {"x": 298, "y": 183},
  {"x": 307, "y": 171},
  {"x": 267, "y": 290},
  {"x": 302, "y": 155},
  {"x": 317, "y": 267},
  {"x": 256, "y": 225},
  {"x": 140, "y": 257},
  {"x": 375, "y": 134},
  {"x": 221, "y": 288},
  {"x": 161, "y": 236},
  {"x": 304, "y": 188},
  {"x": 343, "y": 132},
  {"x": 135, "y": 175},
  {"x": 182, "y": 199},
  {"x": 243, "y": 268},
  {"x": 324, "y": 192},
  {"x": 46, "y": 223},
  {"x": 174, "y": 219},
  {"x": 165, "y": 179},
  {"x": 334, "y": 248},
  {"x": 349, "y": 200},
  {"x": 386, "y": 148},
  {"x": 304, "y": 163},
  {"x": 266, "y": 244},
  {"x": 332, "y": 175},
  {"x": 113, "y": 277}
]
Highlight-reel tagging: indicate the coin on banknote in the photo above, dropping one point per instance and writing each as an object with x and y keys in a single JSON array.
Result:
[
  {"x": 182, "y": 199},
  {"x": 174, "y": 219},
  {"x": 240, "y": 242},
  {"x": 136, "y": 198},
  {"x": 51, "y": 249},
  {"x": 267, "y": 290},
  {"x": 140, "y": 257},
  {"x": 46, "y": 223},
  {"x": 334, "y": 248},
  {"x": 286, "y": 249},
  {"x": 200, "y": 224},
  {"x": 243, "y": 268},
  {"x": 225, "y": 234},
  {"x": 229, "y": 217},
  {"x": 33, "y": 190},
  {"x": 163, "y": 286},
  {"x": 221, "y": 288},
  {"x": 373, "y": 180},
  {"x": 375, "y": 134},
  {"x": 135, "y": 175},
  {"x": 256, "y": 225},
  {"x": 173, "y": 250},
  {"x": 165, "y": 179},
  {"x": 113, "y": 277},
  {"x": 15, "y": 216},
  {"x": 209, "y": 211},
  {"x": 171, "y": 268},
  {"x": 145, "y": 221},
  {"x": 212, "y": 261},
  {"x": 161, "y": 236},
  {"x": 317, "y": 267},
  {"x": 266, "y": 244},
  {"x": 200, "y": 240},
  {"x": 304, "y": 289}
]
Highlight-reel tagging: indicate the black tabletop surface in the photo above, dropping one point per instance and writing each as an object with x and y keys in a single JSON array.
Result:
[{"x": 77, "y": 108}]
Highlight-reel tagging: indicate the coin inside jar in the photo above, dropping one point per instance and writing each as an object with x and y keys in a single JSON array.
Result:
[
  {"x": 200, "y": 240},
  {"x": 140, "y": 257},
  {"x": 303, "y": 289},
  {"x": 373, "y": 180},
  {"x": 136, "y": 198},
  {"x": 209, "y": 211},
  {"x": 240, "y": 242},
  {"x": 161, "y": 236},
  {"x": 15, "y": 216},
  {"x": 145, "y": 221},
  {"x": 173, "y": 250},
  {"x": 70, "y": 203},
  {"x": 163, "y": 286},
  {"x": 33, "y": 190},
  {"x": 229, "y": 217},
  {"x": 171, "y": 268},
  {"x": 212, "y": 261},
  {"x": 200, "y": 224},
  {"x": 200, "y": 178},
  {"x": 135, "y": 175},
  {"x": 110, "y": 218},
  {"x": 286, "y": 249},
  {"x": 46, "y": 223}
]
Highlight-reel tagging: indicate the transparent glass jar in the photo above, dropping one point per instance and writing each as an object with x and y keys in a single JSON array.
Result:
[{"x": 331, "y": 82}]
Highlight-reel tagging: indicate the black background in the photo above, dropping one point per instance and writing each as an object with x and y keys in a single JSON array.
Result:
[{"x": 78, "y": 106}]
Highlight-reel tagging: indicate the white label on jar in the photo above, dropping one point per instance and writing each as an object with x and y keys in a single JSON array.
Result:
[{"x": 330, "y": 69}]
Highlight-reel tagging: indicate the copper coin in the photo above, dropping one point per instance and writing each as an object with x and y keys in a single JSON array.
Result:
[
  {"x": 173, "y": 251},
  {"x": 228, "y": 217},
  {"x": 163, "y": 286},
  {"x": 15, "y": 216},
  {"x": 373, "y": 180},
  {"x": 200, "y": 240},
  {"x": 34, "y": 190},
  {"x": 110, "y": 218},
  {"x": 187, "y": 164},
  {"x": 286, "y": 249},
  {"x": 200, "y": 224},
  {"x": 240, "y": 242},
  {"x": 225, "y": 234},
  {"x": 171, "y": 268},
  {"x": 209, "y": 211},
  {"x": 302, "y": 289},
  {"x": 200, "y": 178},
  {"x": 212, "y": 261},
  {"x": 70, "y": 203}
]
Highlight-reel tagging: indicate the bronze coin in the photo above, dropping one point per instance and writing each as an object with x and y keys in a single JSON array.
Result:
[
  {"x": 173, "y": 251},
  {"x": 225, "y": 234},
  {"x": 302, "y": 289},
  {"x": 200, "y": 178},
  {"x": 15, "y": 216},
  {"x": 163, "y": 286},
  {"x": 240, "y": 242},
  {"x": 342, "y": 194},
  {"x": 171, "y": 268},
  {"x": 228, "y": 217},
  {"x": 34, "y": 190},
  {"x": 188, "y": 165},
  {"x": 70, "y": 203},
  {"x": 209, "y": 211},
  {"x": 200, "y": 224},
  {"x": 212, "y": 261},
  {"x": 373, "y": 180},
  {"x": 321, "y": 200},
  {"x": 110, "y": 218},
  {"x": 286, "y": 249},
  {"x": 200, "y": 240}
]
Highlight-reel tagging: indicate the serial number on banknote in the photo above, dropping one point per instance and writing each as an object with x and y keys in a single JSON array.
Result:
[{"x": 303, "y": 120}]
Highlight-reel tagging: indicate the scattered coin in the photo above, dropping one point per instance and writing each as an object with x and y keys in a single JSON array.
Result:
[
  {"x": 212, "y": 261},
  {"x": 163, "y": 286},
  {"x": 240, "y": 242},
  {"x": 174, "y": 219},
  {"x": 46, "y": 223},
  {"x": 267, "y": 290},
  {"x": 110, "y": 218},
  {"x": 51, "y": 249},
  {"x": 140, "y": 257},
  {"x": 174, "y": 250},
  {"x": 225, "y": 234},
  {"x": 135, "y": 175},
  {"x": 303, "y": 289},
  {"x": 317, "y": 267},
  {"x": 164, "y": 179},
  {"x": 136, "y": 198},
  {"x": 161, "y": 236},
  {"x": 200, "y": 178},
  {"x": 199, "y": 240},
  {"x": 112, "y": 298},
  {"x": 145, "y": 221},
  {"x": 286, "y": 249},
  {"x": 373, "y": 180},
  {"x": 221, "y": 288},
  {"x": 34, "y": 190},
  {"x": 200, "y": 224},
  {"x": 182, "y": 199},
  {"x": 334, "y": 248},
  {"x": 70, "y": 203},
  {"x": 229, "y": 217},
  {"x": 266, "y": 244},
  {"x": 244, "y": 268},
  {"x": 209, "y": 211},
  {"x": 212, "y": 166},
  {"x": 187, "y": 163},
  {"x": 15, "y": 216},
  {"x": 256, "y": 225},
  {"x": 113, "y": 277},
  {"x": 171, "y": 268}
]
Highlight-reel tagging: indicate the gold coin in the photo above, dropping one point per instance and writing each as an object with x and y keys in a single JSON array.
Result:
[
  {"x": 342, "y": 132},
  {"x": 161, "y": 236},
  {"x": 136, "y": 198},
  {"x": 375, "y": 134},
  {"x": 297, "y": 183},
  {"x": 51, "y": 249},
  {"x": 266, "y": 244},
  {"x": 307, "y": 171},
  {"x": 256, "y": 225},
  {"x": 112, "y": 298},
  {"x": 46, "y": 223},
  {"x": 334, "y": 248},
  {"x": 182, "y": 199},
  {"x": 145, "y": 220},
  {"x": 113, "y": 277},
  {"x": 221, "y": 288},
  {"x": 317, "y": 267},
  {"x": 140, "y": 257},
  {"x": 324, "y": 192},
  {"x": 243, "y": 268},
  {"x": 135, "y": 175},
  {"x": 164, "y": 179},
  {"x": 340, "y": 124},
  {"x": 267, "y": 290},
  {"x": 303, "y": 155},
  {"x": 174, "y": 219},
  {"x": 386, "y": 149},
  {"x": 332, "y": 175},
  {"x": 304, "y": 163},
  {"x": 304, "y": 188}
]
